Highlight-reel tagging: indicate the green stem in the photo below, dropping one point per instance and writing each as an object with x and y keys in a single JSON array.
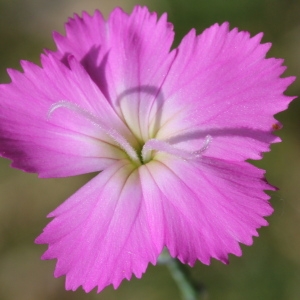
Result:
[{"x": 189, "y": 290}]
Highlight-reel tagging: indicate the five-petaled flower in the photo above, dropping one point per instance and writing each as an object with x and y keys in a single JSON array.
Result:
[{"x": 169, "y": 132}]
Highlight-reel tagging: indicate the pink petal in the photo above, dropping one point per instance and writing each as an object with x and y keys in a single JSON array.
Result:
[
  {"x": 128, "y": 57},
  {"x": 221, "y": 84},
  {"x": 204, "y": 209},
  {"x": 64, "y": 143},
  {"x": 100, "y": 234}
]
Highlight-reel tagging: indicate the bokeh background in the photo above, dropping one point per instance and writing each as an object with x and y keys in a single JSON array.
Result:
[{"x": 270, "y": 269}]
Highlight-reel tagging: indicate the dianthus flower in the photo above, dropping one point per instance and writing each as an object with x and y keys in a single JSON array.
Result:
[{"x": 169, "y": 132}]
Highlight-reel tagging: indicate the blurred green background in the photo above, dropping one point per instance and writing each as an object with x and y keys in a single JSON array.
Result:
[{"x": 270, "y": 269}]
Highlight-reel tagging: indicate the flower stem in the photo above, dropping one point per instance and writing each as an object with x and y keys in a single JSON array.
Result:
[{"x": 189, "y": 290}]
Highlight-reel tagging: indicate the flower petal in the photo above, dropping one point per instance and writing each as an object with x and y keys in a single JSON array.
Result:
[
  {"x": 206, "y": 208},
  {"x": 221, "y": 84},
  {"x": 100, "y": 234},
  {"x": 61, "y": 143},
  {"x": 128, "y": 57}
]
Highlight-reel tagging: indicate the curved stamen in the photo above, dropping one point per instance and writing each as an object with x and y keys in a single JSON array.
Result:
[
  {"x": 163, "y": 146},
  {"x": 112, "y": 133}
]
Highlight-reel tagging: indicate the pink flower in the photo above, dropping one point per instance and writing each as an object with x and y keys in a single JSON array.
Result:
[{"x": 168, "y": 131}]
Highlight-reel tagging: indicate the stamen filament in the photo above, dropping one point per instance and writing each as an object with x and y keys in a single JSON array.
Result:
[{"x": 112, "y": 133}]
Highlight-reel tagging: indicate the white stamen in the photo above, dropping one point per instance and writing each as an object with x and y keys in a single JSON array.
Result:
[
  {"x": 119, "y": 139},
  {"x": 162, "y": 146}
]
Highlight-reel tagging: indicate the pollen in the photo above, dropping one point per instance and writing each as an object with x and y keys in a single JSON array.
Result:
[{"x": 276, "y": 126}]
